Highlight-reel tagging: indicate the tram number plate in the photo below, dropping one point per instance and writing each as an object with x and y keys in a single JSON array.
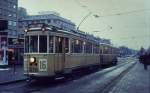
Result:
[{"x": 42, "y": 64}]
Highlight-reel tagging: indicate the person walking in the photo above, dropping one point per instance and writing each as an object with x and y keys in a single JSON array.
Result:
[{"x": 144, "y": 57}]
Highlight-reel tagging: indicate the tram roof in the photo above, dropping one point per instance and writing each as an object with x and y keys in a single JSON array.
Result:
[{"x": 74, "y": 32}]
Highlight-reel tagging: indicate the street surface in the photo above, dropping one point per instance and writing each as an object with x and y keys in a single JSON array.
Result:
[
  {"x": 136, "y": 81},
  {"x": 96, "y": 82}
]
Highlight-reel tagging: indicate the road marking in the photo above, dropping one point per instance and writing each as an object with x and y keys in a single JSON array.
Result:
[{"x": 3, "y": 69}]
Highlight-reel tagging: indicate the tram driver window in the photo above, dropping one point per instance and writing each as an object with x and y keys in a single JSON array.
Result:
[
  {"x": 33, "y": 44},
  {"x": 43, "y": 44}
]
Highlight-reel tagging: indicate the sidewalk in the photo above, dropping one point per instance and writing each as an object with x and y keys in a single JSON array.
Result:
[
  {"x": 8, "y": 75},
  {"x": 137, "y": 80}
]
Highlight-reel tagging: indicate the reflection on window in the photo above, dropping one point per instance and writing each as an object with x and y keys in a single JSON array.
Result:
[
  {"x": 106, "y": 50},
  {"x": 88, "y": 47},
  {"x": 43, "y": 44},
  {"x": 51, "y": 41},
  {"x": 33, "y": 44},
  {"x": 95, "y": 49},
  {"x": 26, "y": 44},
  {"x": 76, "y": 46},
  {"x": 101, "y": 50},
  {"x": 66, "y": 45},
  {"x": 59, "y": 43}
]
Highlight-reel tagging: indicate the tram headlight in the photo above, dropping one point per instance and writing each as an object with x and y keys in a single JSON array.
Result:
[{"x": 32, "y": 59}]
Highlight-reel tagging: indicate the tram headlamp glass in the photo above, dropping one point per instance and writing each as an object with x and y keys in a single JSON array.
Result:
[{"x": 32, "y": 59}]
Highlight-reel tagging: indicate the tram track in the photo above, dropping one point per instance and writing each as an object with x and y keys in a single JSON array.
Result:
[
  {"x": 110, "y": 85},
  {"x": 25, "y": 87},
  {"x": 64, "y": 83}
]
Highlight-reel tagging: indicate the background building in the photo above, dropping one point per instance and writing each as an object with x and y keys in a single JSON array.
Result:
[
  {"x": 48, "y": 17},
  {"x": 22, "y": 13},
  {"x": 8, "y": 11},
  {"x": 9, "y": 36}
]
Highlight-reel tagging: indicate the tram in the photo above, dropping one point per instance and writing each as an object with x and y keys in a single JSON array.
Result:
[{"x": 50, "y": 51}]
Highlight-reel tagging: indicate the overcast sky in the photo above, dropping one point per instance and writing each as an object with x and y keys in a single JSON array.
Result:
[{"x": 129, "y": 19}]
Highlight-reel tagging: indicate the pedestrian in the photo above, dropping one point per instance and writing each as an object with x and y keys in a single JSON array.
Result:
[
  {"x": 141, "y": 54},
  {"x": 146, "y": 60}
]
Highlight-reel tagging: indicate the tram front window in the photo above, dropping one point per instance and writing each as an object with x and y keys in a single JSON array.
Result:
[
  {"x": 43, "y": 44},
  {"x": 33, "y": 44},
  {"x": 26, "y": 44}
]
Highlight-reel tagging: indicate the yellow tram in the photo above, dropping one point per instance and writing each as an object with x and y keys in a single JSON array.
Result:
[{"x": 50, "y": 52}]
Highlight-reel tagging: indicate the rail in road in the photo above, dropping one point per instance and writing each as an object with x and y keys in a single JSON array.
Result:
[
  {"x": 65, "y": 86},
  {"x": 110, "y": 85}
]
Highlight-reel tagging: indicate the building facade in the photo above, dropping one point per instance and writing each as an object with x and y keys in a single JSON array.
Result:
[
  {"x": 50, "y": 18},
  {"x": 9, "y": 37}
]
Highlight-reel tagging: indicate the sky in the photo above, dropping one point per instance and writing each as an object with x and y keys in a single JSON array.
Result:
[{"x": 129, "y": 19}]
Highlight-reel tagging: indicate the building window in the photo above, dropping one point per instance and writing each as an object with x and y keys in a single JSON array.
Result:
[
  {"x": 14, "y": 6},
  {"x": 9, "y": 15},
  {"x": 14, "y": 15},
  {"x": 14, "y": 23},
  {"x": 10, "y": 23},
  {"x": 43, "y": 44}
]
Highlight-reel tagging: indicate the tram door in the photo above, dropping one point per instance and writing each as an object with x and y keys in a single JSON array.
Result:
[{"x": 60, "y": 54}]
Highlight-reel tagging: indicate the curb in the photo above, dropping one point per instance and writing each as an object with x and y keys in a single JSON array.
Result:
[{"x": 13, "y": 81}]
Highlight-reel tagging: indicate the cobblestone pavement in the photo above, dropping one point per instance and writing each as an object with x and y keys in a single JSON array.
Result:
[{"x": 137, "y": 80}]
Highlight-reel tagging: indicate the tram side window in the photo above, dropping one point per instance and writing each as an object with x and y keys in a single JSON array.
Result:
[
  {"x": 33, "y": 44},
  {"x": 106, "y": 50},
  {"x": 51, "y": 41},
  {"x": 43, "y": 44},
  {"x": 88, "y": 47},
  {"x": 101, "y": 50},
  {"x": 59, "y": 42},
  {"x": 66, "y": 45},
  {"x": 95, "y": 49},
  {"x": 26, "y": 44},
  {"x": 76, "y": 46}
]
